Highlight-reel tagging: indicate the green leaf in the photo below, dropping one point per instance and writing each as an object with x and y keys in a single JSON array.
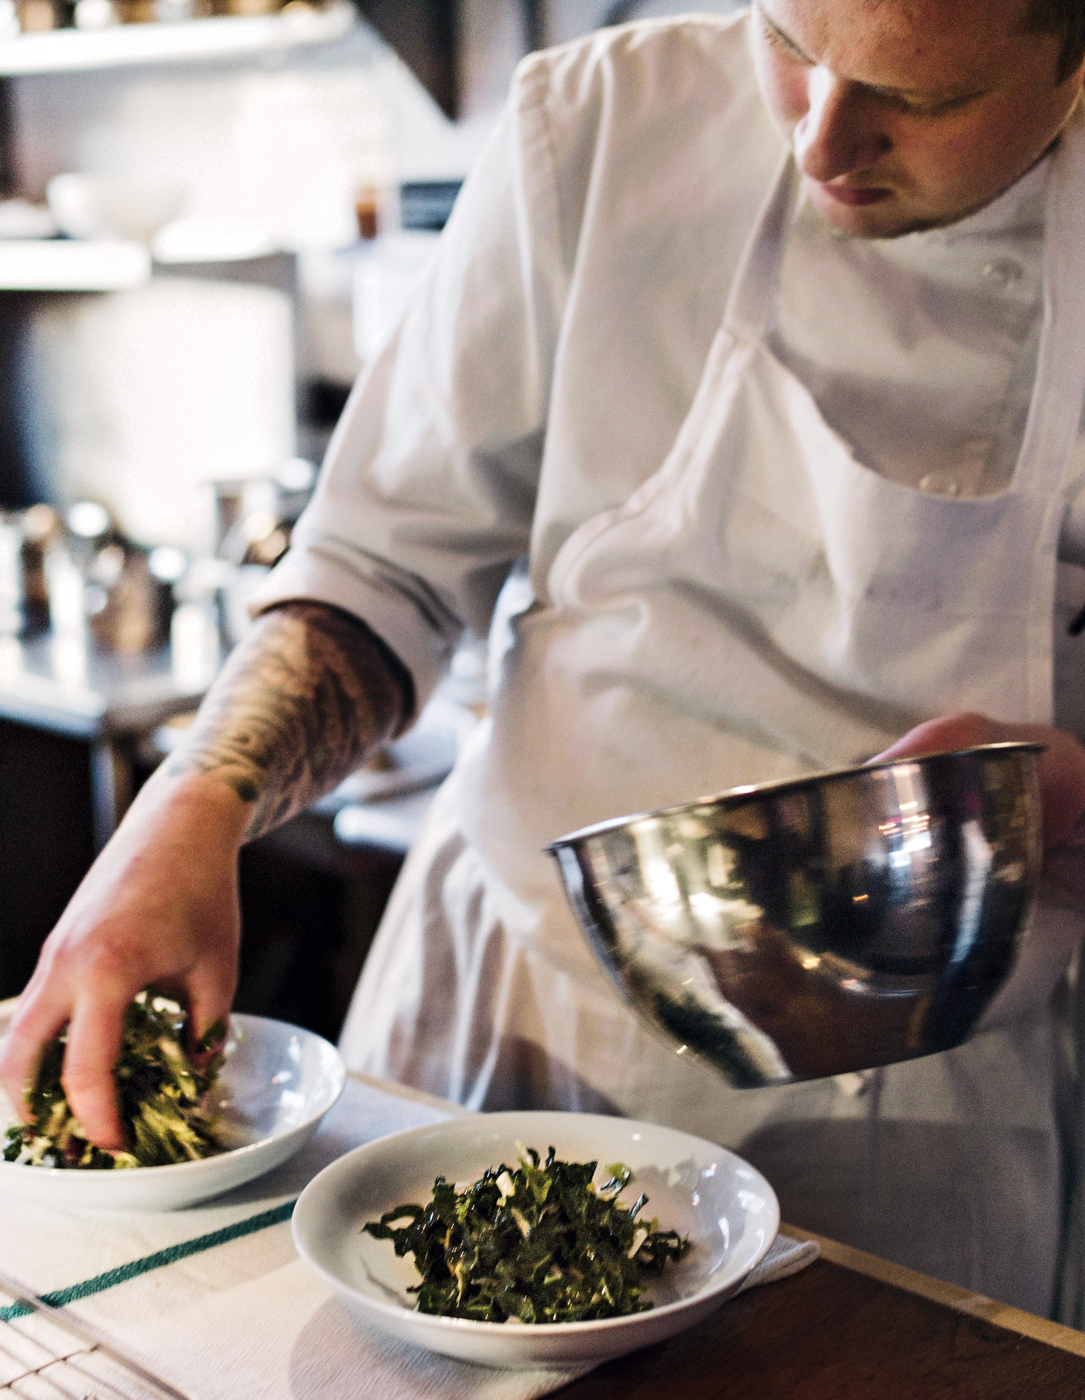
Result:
[
  {"x": 162, "y": 1094},
  {"x": 539, "y": 1243}
]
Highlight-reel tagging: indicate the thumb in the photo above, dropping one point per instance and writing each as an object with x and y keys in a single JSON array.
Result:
[{"x": 209, "y": 993}]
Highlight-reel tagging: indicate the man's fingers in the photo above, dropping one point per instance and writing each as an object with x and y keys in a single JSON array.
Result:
[
  {"x": 209, "y": 996},
  {"x": 963, "y": 731},
  {"x": 94, "y": 1043},
  {"x": 34, "y": 1024},
  {"x": 1061, "y": 764},
  {"x": 95, "y": 1032}
]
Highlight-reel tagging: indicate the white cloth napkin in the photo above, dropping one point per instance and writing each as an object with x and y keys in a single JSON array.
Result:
[
  {"x": 244, "y": 1316},
  {"x": 786, "y": 1256}
]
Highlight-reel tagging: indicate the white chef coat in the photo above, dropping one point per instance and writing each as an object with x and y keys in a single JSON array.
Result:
[
  {"x": 877, "y": 328},
  {"x": 537, "y": 383}
]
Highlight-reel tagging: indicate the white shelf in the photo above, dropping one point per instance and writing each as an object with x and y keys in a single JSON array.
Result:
[
  {"x": 73, "y": 50},
  {"x": 60, "y": 265}
]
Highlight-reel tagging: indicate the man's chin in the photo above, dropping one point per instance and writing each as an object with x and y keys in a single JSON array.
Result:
[
  {"x": 890, "y": 217},
  {"x": 885, "y": 217}
]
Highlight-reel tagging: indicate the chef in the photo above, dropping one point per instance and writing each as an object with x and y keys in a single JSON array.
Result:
[{"x": 741, "y": 408}]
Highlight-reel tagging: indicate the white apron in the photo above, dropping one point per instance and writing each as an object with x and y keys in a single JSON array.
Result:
[{"x": 763, "y": 605}]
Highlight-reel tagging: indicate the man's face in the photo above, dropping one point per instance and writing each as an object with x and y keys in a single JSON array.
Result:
[{"x": 909, "y": 114}]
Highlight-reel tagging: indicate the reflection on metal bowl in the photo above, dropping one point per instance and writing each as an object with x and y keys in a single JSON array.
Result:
[{"x": 821, "y": 925}]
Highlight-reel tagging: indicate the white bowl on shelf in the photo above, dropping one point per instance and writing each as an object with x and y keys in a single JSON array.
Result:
[{"x": 105, "y": 206}]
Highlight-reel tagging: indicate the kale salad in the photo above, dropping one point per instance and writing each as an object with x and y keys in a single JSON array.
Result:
[
  {"x": 537, "y": 1243},
  {"x": 165, "y": 1098}
]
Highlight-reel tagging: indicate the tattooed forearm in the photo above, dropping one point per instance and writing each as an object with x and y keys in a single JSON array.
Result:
[{"x": 299, "y": 704}]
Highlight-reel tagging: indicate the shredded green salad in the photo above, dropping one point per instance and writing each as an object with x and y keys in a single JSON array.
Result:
[
  {"x": 538, "y": 1243},
  {"x": 164, "y": 1098}
]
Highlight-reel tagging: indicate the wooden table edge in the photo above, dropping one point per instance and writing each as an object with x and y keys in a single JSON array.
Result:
[
  {"x": 407, "y": 1091},
  {"x": 1026, "y": 1324}
]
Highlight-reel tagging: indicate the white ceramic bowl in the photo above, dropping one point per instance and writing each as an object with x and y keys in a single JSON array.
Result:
[
  {"x": 277, "y": 1084},
  {"x": 102, "y": 206},
  {"x": 727, "y": 1209}
]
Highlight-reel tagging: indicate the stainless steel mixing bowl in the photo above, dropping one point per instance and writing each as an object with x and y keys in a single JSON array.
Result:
[{"x": 821, "y": 925}]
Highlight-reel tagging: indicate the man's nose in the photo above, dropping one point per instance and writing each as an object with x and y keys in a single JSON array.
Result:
[{"x": 840, "y": 133}]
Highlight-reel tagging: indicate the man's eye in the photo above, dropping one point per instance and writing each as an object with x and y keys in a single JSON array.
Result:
[
  {"x": 928, "y": 107},
  {"x": 781, "y": 42}
]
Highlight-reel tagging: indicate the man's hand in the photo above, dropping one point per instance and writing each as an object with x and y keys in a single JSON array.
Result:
[
  {"x": 301, "y": 702},
  {"x": 158, "y": 907},
  {"x": 1062, "y": 782}
]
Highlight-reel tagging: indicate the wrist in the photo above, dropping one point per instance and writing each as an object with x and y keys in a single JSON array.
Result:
[{"x": 192, "y": 798}]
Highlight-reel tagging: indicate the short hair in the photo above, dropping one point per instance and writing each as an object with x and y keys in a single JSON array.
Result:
[{"x": 1065, "y": 17}]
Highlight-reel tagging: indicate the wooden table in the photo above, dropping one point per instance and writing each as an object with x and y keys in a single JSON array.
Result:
[{"x": 852, "y": 1327}]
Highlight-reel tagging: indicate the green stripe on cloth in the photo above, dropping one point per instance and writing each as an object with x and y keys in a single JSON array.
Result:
[{"x": 159, "y": 1260}]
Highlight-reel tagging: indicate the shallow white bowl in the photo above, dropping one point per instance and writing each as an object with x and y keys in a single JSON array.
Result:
[
  {"x": 728, "y": 1210},
  {"x": 277, "y": 1084},
  {"x": 103, "y": 206}
]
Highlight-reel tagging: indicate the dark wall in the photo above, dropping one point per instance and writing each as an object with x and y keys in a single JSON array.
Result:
[
  {"x": 8, "y": 181},
  {"x": 46, "y": 840},
  {"x": 20, "y": 477},
  {"x": 309, "y": 906},
  {"x": 424, "y": 34}
]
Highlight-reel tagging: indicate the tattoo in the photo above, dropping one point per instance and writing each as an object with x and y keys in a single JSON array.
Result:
[{"x": 302, "y": 700}]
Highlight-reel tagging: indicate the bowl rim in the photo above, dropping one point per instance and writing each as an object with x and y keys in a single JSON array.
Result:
[
  {"x": 345, "y": 1167},
  {"x": 736, "y": 796},
  {"x": 207, "y": 1166}
]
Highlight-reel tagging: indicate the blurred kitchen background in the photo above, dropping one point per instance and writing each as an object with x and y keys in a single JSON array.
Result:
[{"x": 211, "y": 212}]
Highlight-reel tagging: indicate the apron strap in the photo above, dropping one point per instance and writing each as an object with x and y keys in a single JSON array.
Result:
[{"x": 1054, "y": 419}]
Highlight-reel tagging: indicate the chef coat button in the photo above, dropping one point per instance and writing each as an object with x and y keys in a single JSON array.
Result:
[
  {"x": 1003, "y": 272},
  {"x": 940, "y": 484}
]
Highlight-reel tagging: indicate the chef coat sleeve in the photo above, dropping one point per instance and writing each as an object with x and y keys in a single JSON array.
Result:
[{"x": 427, "y": 492}]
